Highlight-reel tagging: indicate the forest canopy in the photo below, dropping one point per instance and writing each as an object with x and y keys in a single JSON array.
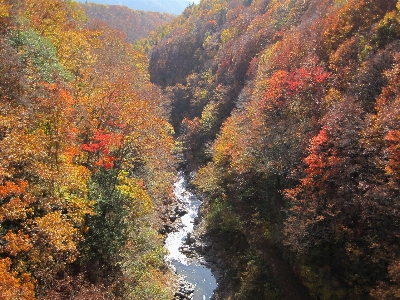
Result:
[
  {"x": 287, "y": 111},
  {"x": 86, "y": 159},
  {"x": 290, "y": 110}
]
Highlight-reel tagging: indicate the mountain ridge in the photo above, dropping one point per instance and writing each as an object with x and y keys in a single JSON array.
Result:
[
  {"x": 134, "y": 24},
  {"x": 168, "y": 6}
]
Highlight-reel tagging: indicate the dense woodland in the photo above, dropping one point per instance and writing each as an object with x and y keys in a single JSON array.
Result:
[
  {"x": 86, "y": 159},
  {"x": 290, "y": 111}
]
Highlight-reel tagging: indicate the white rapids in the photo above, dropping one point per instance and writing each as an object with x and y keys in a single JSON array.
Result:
[
  {"x": 176, "y": 239},
  {"x": 191, "y": 269}
]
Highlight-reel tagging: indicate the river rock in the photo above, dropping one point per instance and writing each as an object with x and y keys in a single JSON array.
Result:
[
  {"x": 190, "y": 239},
  {"x": 185, "y": 249},
  {"x": 202, "y": 248},
  {"x": 185, "y": 291},
  {"x": 172, "y": 218},
  {"x": 180, "y": 211},
  {"x": 168, "y": 228}
]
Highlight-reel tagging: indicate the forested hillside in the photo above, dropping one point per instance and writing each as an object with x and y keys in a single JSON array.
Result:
[
  {"x": 134, "y": 24},
  {"x": 86, "y": 159},
  {"x": 164, "y": 6},
  {"x": 289, "y": 110}
]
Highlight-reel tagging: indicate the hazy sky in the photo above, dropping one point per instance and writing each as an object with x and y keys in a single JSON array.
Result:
[{"x": 138, "y": 4}]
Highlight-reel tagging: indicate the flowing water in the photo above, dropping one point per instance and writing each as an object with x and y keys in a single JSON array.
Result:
[{"x": 191, "y": 269}]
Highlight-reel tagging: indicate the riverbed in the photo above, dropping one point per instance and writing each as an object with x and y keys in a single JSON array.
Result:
[{"x": 191, "y": 269}]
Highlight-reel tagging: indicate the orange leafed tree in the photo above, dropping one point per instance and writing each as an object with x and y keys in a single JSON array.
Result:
[{"x": 12, "y": 286}]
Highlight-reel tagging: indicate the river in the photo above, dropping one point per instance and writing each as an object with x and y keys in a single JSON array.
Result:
[{"x": 191, "y": 269}]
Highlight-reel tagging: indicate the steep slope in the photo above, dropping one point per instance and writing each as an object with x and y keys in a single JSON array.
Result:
[
  {"x": 134, "y": 24},
  {"x": 86, "y": 163},
  {"x": 291, "y": 108}
]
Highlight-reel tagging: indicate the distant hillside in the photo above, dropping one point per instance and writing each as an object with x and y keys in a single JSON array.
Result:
[
  {"x": 135, "y": 24},
  {"x": 163, "y": 6}
]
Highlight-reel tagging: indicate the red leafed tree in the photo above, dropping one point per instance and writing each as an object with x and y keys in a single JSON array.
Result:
[
  {"x": 324, "y": 203},
  {"x": 303, "y": 86},
  {"x": 288, "y": 114},
  {"x": 102, "y": 146}
]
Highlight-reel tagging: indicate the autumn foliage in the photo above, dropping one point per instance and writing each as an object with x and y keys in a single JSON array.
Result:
[
  {"x": 290, "y": 110},
  {"x": 86, "y": 151},
  {"x": 134, "y": 24}
]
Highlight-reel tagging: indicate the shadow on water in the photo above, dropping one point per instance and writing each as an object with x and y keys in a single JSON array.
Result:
[
  {"x": 190, "y": 269},
  {"x": 200, "y": 276}
]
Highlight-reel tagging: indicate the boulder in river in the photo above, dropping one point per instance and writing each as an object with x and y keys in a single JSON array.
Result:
[
  {"x": 180, "y": 211},
  {"x": 190, "y": 239},
  {"x": 185, "y": 291},
  {"x": 172, "y": 218}
]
